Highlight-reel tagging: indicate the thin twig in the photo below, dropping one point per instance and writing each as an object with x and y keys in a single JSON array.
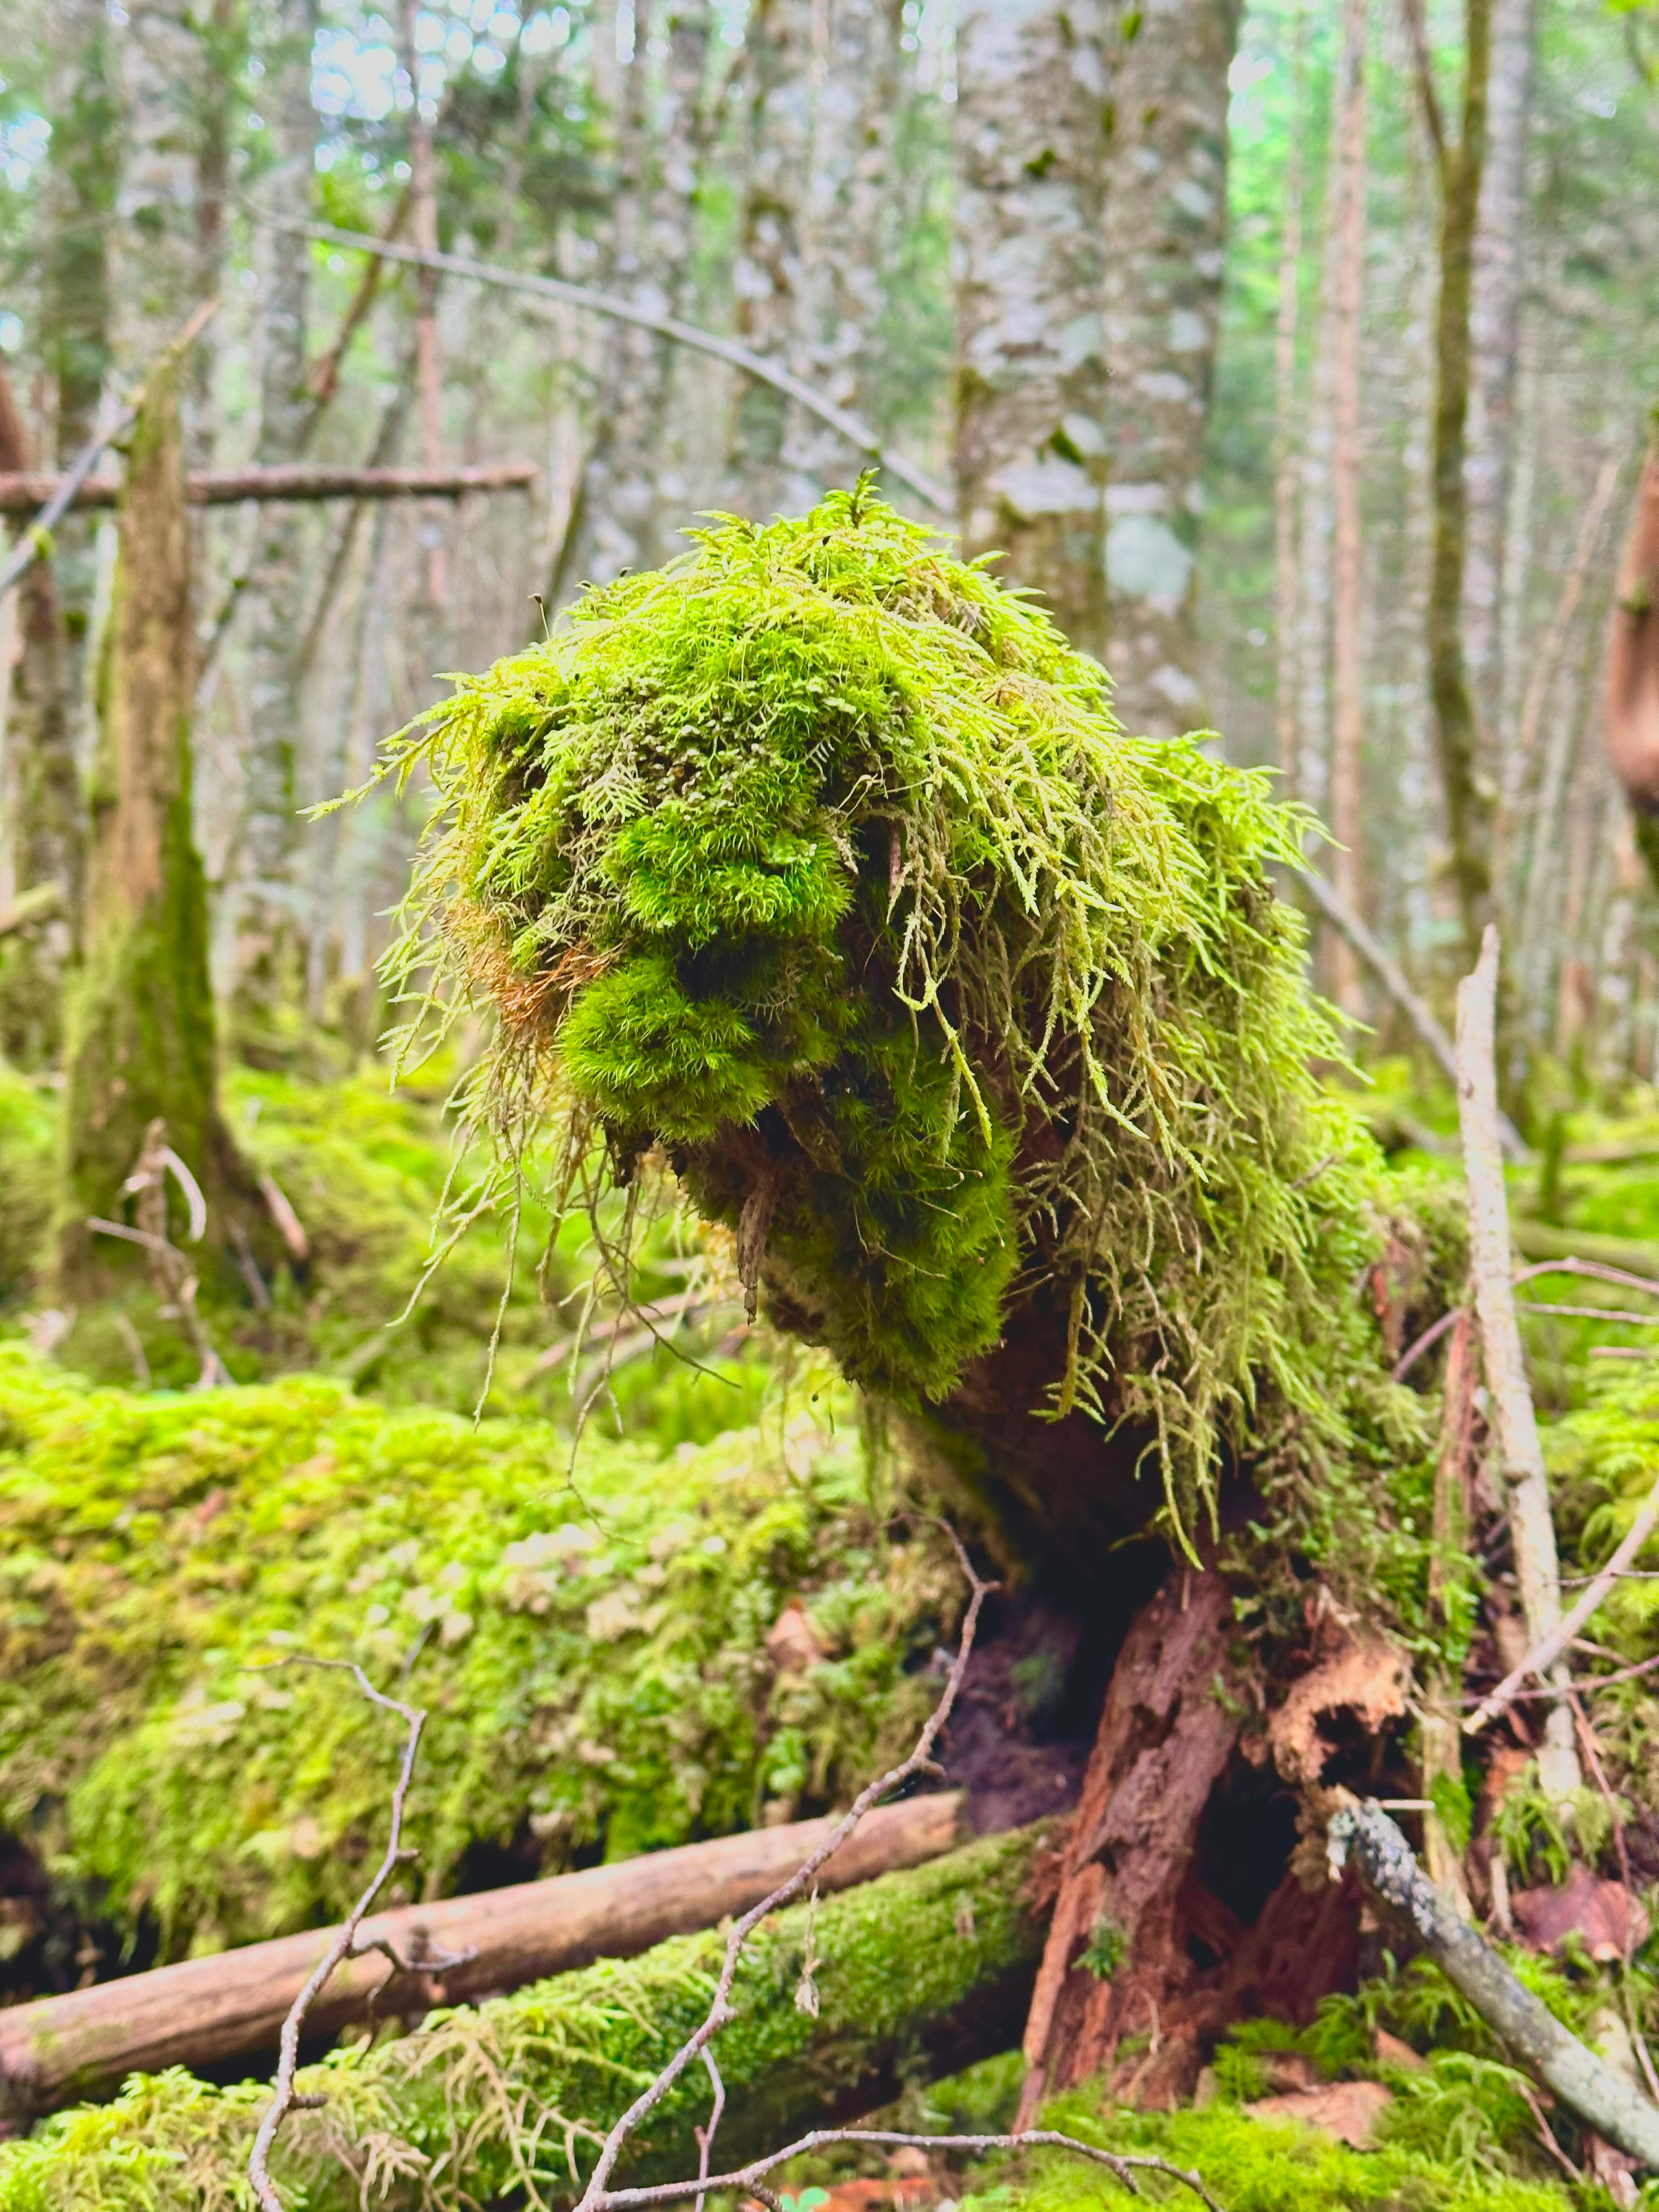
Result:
[
  {"x": 341, "y": 1945},
  {"x": 596, "y": 2196},
  {"x": 1124, "y": 2165},
  {"x": 706, "y": 2135},
  {"x": 1593, "y": 1271},
  {"x": 1548, "y": 1648}
]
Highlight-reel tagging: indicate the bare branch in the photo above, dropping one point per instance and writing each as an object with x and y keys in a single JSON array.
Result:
[
  {"x": 283, "y": 2098},
  {"x": 596, "y": 2197},
  {"x": 706, "y": 2135},
  {"x": 1544, "y": 1654},
  {"x": 1593, "y": 1271},
  {"x": 1124, "y": 2165}
]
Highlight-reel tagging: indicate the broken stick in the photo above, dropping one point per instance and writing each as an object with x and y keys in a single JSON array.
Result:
[{"x": 1611, "y": 2106}]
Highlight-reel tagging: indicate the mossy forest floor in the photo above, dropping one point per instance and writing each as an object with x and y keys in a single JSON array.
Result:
[{"x": 701, "y": 1616}]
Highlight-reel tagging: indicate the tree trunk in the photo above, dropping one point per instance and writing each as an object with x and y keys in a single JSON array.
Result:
[
  {"x": 1030, "y": 356},
  {"x": 42, "y": 805},
  {"x": 1466, "y": 785},
  {"x": 779, "y": 47},
  {"x": 1630, "y": 704},
  {"x": 428, "y": 364},
  {"x": 1495, "y": 332},
  {"x": 1286, "y": 595},
  {"x": 623, "y": 517},
  {"x": 1164, "y": 226},
  {"x": 140, "y": 1019},
  {"x": 1347, "y": 643},
  {"x": 268, "y": 953},
  {"x": 846, "y": 227}
]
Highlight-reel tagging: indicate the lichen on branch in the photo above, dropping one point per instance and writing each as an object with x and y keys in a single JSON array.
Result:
[{"x": 817, "y": 862}]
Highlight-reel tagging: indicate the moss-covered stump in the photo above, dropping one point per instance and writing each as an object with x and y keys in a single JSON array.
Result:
[
  {"x": 918, "y": 1972},
  {"x": 818, "y": 863},
  {"x": 594, "y": 1648}
]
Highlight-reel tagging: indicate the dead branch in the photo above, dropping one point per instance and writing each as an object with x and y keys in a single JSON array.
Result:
[
  {"x": 1590, "y": 1270},
  {"x": 171, "y": 1272},
  {"x": 1123, "y": 2165},
  {"x": 1514, "y": 1422},
  {"x": 1543, "y": 1655},
  {"x": 283, "y": 2098},
  {"x": 596, "y": 2197},
  {"x": 290, "y": 1227},
  {"x": 1608, "y": 2103},
  {"x": 22, "y": 490},
  {"x": 1392, "y": 977},
  {"x": 857, "y": 433}
]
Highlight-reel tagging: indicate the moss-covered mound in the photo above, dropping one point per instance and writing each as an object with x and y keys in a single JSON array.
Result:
[
  {"x": 593, "y": 1647},
  {"x": 818, "y": 861},
  {"x": 504, "y": 2104}
]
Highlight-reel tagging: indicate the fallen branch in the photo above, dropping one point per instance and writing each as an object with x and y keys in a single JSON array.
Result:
[
  {"x": 1543, "y": 1655},
  {"x": 1512, "y": 1415},
  {"x": 1610, "y": 2105},
  {"x": 1590, "y": 1270},
  {"x": 171, "y": 1272},
  {"x": 857, "y": 433},
  {"x": 21, "y": 490},
  {"x": 205, "y": 2010},
  {"x": 1392, "y": 977}
]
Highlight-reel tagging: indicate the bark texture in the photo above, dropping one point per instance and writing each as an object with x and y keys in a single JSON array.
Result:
[
  {"x": 268, "y": 923},
  {"x": 140, "y": 1043},
  {"x": 1031, "y": 448},
  {"x": 1164, "y": 224},
  {"x": 625, "y": 514},
  {"x": 1499, "y": 263}
]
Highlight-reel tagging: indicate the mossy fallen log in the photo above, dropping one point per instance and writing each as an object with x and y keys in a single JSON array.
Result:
[
  {"x": 915, "y": 1974},
  {"x": 816, "y": 864}
]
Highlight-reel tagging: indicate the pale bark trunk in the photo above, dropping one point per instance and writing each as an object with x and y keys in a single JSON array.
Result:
[
  {"x": 845, "y": 235},
  {"x": 1441, "y": 1737},
  {"x": 140, "y": 1043},
  {"x": 266, "y": 931},
  {"x": 429, "y": 362},
  {"x": 768, "y": 275},
  {"x": 1032, "y": 453},
  {"x": 1287, "y": 442},
  {"x": 623, "y": 514},
  {"x": 1347, "y": 670},
  {"x": 1164, "y": 229},
  {"x": 1494, "y": 333}
]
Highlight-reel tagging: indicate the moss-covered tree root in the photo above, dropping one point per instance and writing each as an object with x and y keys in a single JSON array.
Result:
[{"x": 915, "y": 1974}]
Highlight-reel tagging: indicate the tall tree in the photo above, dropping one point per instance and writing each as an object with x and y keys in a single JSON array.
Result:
[
  {"x": 1286, "y": 594},
  {"x": 429, "y": 361},
  {"x": 1164, "y": 228},
  {"x": 140, "y": 1043},
  {"x": 1499, "y": 253},
  {"x": 1031, "y": 449},
  {"x": 619, "y": 517},
  {"x": 1467, "y": 788},
  {"x": 1347, "y": 599},
  {"x": 266, "y": 923}
]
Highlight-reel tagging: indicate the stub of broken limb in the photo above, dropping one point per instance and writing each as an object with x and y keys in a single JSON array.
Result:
[{"x": 1614, "y": 2107}]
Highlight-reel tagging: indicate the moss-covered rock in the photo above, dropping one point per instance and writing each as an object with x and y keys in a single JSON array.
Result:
[
  {"x": 591, "y": 1641},
  {"x": 915, "y": 1972},
  {"x": 818, "y": 861}
]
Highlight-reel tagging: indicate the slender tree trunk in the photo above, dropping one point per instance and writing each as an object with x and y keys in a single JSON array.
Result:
[
  {"x": 767, "y": 276},
  {"x": 266, "y": 933},
  {"x": 1466, "y": 785},
  {"x": 1031, "y": 361},
  {"x": 1631, "y": 704},
  {"x": 140, "y": 1019},
  {"x": 620, "y": 519},
  {"x": 1286, "y": 580},
  {"x": 1347, "y": 666},
  {"x": 41, "y": 806},
  {"x": 845, "y": 233},
  {"x": 1495, "y": 332},
  {"x": 1164, "y": 228},
  {"x": 429, "y": 372}
]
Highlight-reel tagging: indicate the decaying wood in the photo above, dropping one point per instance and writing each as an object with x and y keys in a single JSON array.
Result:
[
  {"x": 207, "y": 2010},
  {"x": 1164, "y": 1738},
  {"x": 1514, "y": 1421},
  {"x": 23, "y": 491},
  {"x": 1615, "y": 2108}
]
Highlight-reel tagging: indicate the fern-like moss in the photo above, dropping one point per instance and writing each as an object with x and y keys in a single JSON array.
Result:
[{"x": 819, "y": 860}]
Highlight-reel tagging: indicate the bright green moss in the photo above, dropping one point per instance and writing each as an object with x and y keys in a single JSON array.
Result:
[
  {"x": 818, "y": 860},
  {"x": 593, "y": 1648},
  {"x": 479, "y": 2105}
]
